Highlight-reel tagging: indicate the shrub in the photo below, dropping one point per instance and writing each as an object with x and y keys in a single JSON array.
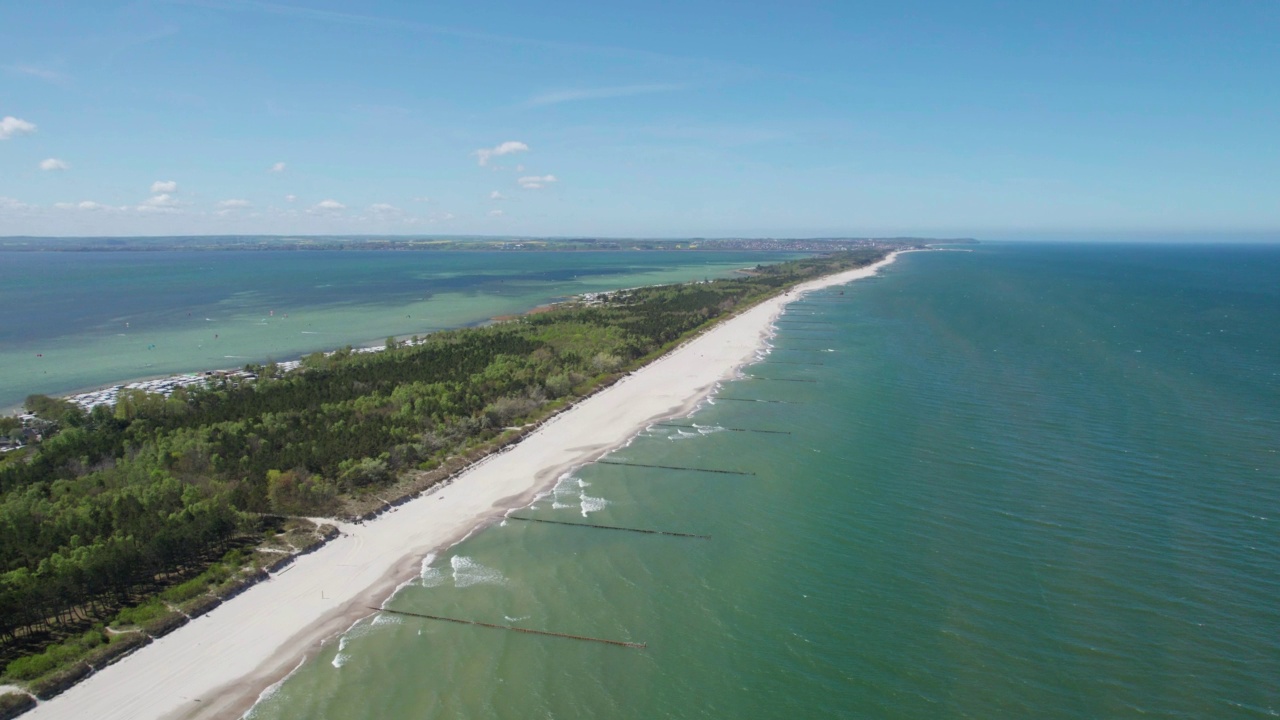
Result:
[
  {"x": 187, "y": 590},
  {"x": 14, "y": 704},
  {"x": 55, "y": 656},
  {"x": 56, "y": 682},
  {"x": 141, "y": 614}
]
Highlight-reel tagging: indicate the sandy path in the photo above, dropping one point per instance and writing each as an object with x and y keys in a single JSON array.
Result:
[{"x": 217, "y": 666}]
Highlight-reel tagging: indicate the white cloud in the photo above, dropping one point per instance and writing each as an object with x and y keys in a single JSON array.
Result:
[
  {"x": 506, "y": 148},
  {"x": 384, "y": 209},
  {"x": 536, "y": 182},
  {"x": 327, "y": 206},
  {"x": 496, "y": 213},
  {"x": 8, "y": 203},
  {"x": 164, "y": 202},
  {"x": 519, "y": 168},
  {"x": 53, "y": 164},
  {"x": 560, "y": 96},
  {"x": 277, "y": 168},
  {"x": 495, "y": 195},
  {"x": 164, "y": 186},
  {"x": 11, "y": 126},
  {"x": 290, "y": 198},
  {"x": 234, "y": 203},
  {"x": 422, "y": 199}
]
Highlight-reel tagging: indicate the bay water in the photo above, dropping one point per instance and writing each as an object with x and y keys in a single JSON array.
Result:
[
  {"x": 76, "y": 320},
  {"x": 1022, "y": 481}
]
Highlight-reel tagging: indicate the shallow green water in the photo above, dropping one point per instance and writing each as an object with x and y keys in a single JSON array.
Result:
[
  {"x": 78, "y": 320},
  {"x": 1029, "y": 481}
]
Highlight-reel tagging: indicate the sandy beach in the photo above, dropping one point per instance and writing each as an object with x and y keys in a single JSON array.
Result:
[{"x": 219, "y": 664}]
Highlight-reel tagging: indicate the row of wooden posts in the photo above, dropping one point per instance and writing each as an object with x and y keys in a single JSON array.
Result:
[{"x": 622, "y": 643}]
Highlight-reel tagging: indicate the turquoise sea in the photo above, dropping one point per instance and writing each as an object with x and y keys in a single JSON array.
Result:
[
  {"x": 1027, "y": 481},
  {"x": 76, "y": 320}
]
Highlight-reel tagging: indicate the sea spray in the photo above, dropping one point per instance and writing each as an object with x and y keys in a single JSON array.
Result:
[{"x": 468, "y": 572}]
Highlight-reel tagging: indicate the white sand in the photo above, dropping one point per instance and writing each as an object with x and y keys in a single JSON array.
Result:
[{"x": 218, "y": 665}]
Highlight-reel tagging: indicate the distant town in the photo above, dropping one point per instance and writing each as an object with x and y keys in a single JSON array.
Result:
[{"x": 437, "y": 243}]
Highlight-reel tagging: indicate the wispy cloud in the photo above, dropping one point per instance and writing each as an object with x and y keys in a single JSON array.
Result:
[
  {"x": 600, "y": 93},
  {"x": 45, "y": 74},
  {"x": 496, "y": 213},
  {"x": 233, "y": 204},
  {"x": 536, "y": 182},
  {"x": 164, "y": 186},
  {"x": 54, "y": 164},
  {"x": 277, "y": 168},
  {"x": 11, "y": 126},
  {"x": 506, "y": 148},
  {"x": 495, "y": 195}
]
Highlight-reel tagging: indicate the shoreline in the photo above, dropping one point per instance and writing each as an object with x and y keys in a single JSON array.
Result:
[{"x": 220, "y": 665}]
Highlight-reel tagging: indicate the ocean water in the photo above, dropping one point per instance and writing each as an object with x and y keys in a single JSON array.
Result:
[
  {"x": 1023, "y": 481},
  {"x": 78, "y": 320}
]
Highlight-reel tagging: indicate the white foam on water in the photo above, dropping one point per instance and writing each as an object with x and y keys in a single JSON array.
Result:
[
  {"x": 592, "y": 504},
  {"x": 385, "y": 619},
  {"x": 510, "y": 619},
  {"x": 431, "y": 576},
  {"x": 339, "y": 660},
  {"x": 568, "y": 486},
  {"x": 468, "y": 572}
]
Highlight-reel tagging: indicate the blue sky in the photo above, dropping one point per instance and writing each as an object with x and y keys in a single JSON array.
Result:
[{"x": 661, "y": 119}]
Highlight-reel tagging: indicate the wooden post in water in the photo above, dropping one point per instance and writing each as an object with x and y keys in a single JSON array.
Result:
[
  {"x": 620, "y": 643},
  {"x": 674, "y": 467},
  {"x": 750, "y": 430},
  {"x": 610, "y": 527}
]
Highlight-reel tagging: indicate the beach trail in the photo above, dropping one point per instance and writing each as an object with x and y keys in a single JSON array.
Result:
[{"x": 218, "y": 665}]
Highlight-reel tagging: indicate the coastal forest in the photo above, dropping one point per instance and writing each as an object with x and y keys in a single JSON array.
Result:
[{"x": 124, "y": 522}]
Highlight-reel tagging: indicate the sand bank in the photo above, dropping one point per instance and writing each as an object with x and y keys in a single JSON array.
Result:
[{"x": 218, "y": 665}]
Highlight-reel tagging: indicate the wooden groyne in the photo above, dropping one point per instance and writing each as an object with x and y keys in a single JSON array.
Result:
[
  {"x": 619, "y": 643},
  {"x": 674, "y": 467},
  {"x": 787, "y": 362},
  {"x": 754, "y": 377},
  {"x": 776, "y": 402},
  {"x": 611, "y": 527},
  {"x": 750, "y": 430},
  {"x": 803, "y": 322}
]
